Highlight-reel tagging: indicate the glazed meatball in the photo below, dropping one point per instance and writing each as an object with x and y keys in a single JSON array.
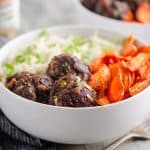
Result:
[
  {"x": 71, "y": 91},
  {"x": 22, "y": 84},
  {"x": 43, "y": 84},
  {"x": 35, "y": 87},
  {"x": 64, "y": 64}
]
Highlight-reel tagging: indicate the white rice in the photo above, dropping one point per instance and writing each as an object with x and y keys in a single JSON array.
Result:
[{"x": 52, "y": 45}]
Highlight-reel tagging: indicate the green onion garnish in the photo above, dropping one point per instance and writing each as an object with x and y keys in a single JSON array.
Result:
[
  {"x": 20, "y": 59},
  {"x": 40, "y": 58},
  {"x": 30, "y": 48},
  {"x": 73, "y": 46},
  {"x": 78, "y": 41},
  {"x": 9, "y": 68}
]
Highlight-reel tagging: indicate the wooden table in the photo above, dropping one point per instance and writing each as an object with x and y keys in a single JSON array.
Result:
[{"x": 43, "y": 13}]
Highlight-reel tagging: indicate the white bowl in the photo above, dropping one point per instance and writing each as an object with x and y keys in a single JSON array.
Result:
[
  {"x": 72, "y": 125},
  {"x": 85, "y": 16}
]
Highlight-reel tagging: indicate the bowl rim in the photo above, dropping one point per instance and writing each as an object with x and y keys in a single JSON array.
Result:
[
  {"x": 79, "y": 4},
  {"x": 70, "y": 26}
]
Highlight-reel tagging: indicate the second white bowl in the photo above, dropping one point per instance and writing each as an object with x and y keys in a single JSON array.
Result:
[{"x": 85, "y": 16}]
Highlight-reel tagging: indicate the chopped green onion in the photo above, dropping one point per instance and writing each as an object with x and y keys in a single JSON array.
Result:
[
  {"x": 29, "y": 58},
  {"x": 51, "y": 45},
  {"x": 40, "y": 58},
  {"x": 9, "y": 68},
  {"x": 20, "y": 59},
  {"x": 71, "y": 48},
  {"x": 30, "y": 48},
  {"x": 78, "y": 41},
  {"x": 44, "y": 34}
]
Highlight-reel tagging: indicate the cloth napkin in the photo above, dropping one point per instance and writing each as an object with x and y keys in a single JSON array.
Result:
[{"x": 12, "y": 138}]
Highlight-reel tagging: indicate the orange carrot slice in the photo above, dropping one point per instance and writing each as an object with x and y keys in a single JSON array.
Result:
[
  {"x": 128, "y": 78},
  {"x": 135, "y": 63},
  {"x": 138, "y": 87},
  {"x": 100, "y": 79},
  {"x": 116, "y": 90},
  {"x": 143, "y": 12},
  {"x": 145, "y": 49},
  {"x": 95, "y": 64},
  {"x": 103, "y": 101},
  {"x": 129, "y": 49},
  {"x": 114, "y": 68}
]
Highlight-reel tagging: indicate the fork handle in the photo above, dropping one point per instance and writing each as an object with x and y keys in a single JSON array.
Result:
[{"x": 119, "y": 141}]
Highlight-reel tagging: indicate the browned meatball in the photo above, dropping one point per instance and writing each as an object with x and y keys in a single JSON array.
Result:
[
  {"x": 43, "y": 84},
  {"x": 22, "y": 84},
  {"x": 116, "y": 9},
  {"x": 119, "y": 9},
  {"x": 35, "y": 87},
  {"x": 71, "y": 91},
  {"x": 64, "y": 64}
]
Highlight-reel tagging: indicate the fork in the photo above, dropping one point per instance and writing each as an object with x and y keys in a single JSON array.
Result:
[{"x": 140, "y": 132}]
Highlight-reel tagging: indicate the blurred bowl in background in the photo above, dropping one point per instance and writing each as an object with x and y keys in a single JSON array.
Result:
[{"x": 86, "y": 16}]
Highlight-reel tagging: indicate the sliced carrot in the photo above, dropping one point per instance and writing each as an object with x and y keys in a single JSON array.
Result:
[
  {"x": 128, "y": 78},
  {"x": 103, "y": 101},
  {"x": 116, "y": 89},
  {"x": 95, "y": 64},
  {"x": 100, "y": 79},
  {"x": 135, "y": 63},
  {"x": 125, "y": 79},
  {"x": 114, "y": 68},
  {"x": 129, "y": 48},
  {"x": 128, "y": 16},
  {"x": 148, "y": 72},
  {"x": 116, "y": 77},
  {"x": 145, "y": 49},
  {"x": 138, "y": 87},
  {"x": 131, "y": 79},
  {"x": 143, "y": 12},
  {"x": 143, "y": 71}
]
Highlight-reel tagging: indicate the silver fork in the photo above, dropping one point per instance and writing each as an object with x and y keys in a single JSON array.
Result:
[{"x": 140, "y": 132}]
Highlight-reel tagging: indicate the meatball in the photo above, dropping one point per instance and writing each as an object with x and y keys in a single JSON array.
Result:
[
  {"x": 119, "y": 9},
  {"x": 22, "y": 84},
  {"x": 43, "y": 84},
  {"x": 63, "y": 64},
  {"x": 35, "y": 87},
  {"x": 71, "y": 91}
]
